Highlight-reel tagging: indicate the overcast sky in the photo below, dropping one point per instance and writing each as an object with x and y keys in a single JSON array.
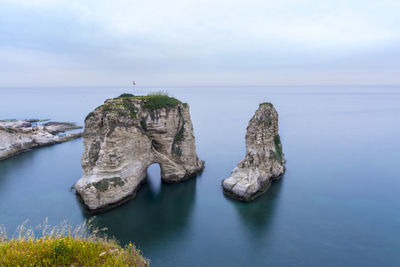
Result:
[{"x": 209, "y": 42}]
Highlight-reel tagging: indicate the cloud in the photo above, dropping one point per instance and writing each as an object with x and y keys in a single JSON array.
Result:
[{"x": 178, "y": 38}]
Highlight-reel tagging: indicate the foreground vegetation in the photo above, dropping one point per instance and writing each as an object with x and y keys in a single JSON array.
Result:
[{"x": 64, "y": 246}]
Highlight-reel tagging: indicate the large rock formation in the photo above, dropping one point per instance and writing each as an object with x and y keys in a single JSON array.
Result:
[
  {"x": 126, "y": 135},
  {"x": 17, "y": 136},
  {"x": 264, "y": 160}
]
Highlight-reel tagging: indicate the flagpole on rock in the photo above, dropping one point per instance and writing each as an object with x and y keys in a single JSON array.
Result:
[{"x": 133, "y": 85}]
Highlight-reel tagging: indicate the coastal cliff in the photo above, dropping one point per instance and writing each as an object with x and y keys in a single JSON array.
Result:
[
  {"x": 18, "y": 136},
  {"x": 125, "y": 136},
  {"x": 264, "y": 160}
]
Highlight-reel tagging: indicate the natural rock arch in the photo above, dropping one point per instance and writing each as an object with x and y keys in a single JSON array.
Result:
[{"x": 124, "y": 137}]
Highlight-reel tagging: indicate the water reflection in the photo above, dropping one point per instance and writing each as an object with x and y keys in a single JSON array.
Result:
[
  {"x": 153, "y": 216},
  {"x": 258, "y": 216}
]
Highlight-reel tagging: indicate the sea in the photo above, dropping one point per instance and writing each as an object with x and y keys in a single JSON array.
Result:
[{"x": 338, "y": 203}]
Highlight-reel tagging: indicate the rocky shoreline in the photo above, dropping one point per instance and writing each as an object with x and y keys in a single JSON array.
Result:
[{"x": 17, "y": 136}]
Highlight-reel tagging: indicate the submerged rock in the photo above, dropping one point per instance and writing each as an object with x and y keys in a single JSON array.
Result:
[
  {"x": 125, "y": 136},
  {"x": 17, "y": 136},
  {"x": 264, "y": 160}
]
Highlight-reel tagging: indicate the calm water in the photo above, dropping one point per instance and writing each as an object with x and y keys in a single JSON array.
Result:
[{"x": 337, "y": 205}]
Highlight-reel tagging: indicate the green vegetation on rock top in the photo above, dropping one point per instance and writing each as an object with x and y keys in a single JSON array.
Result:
[
  {"x": 267, "y": 104},
  {"x": 126, "y": 96},
  {"x": 151, "y": 102},
  {"x": 154, "y": 101},
  {"x": 120, "y": 108}
]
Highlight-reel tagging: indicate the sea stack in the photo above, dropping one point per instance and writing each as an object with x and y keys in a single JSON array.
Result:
[
  {"x": 127, "y": 134},
  {"x": 264, "y": 160}
]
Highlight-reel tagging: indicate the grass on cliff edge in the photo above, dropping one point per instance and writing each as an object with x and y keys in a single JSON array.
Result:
[
  {"x": 154, "y": 100},
  {"x": 64, "y": 246}
]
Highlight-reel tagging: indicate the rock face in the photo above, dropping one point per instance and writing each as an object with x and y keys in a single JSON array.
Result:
[
  {"x": 17, "y": 136},
  {"x": 264, "y": 160},
  {"x": 125, "y": 136}
]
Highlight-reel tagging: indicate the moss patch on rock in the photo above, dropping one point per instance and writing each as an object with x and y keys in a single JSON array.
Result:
[
  {"x": 127, "y": 105},
  {"x": 91, "y": 114},
  {"x": 9, "y": 130},
  {"x": 277, "y": 154},
  {"x": 104, "y": 184},
  {"x": 265, "y": 119},
  {"x": 143, "y": 123},
  {"x": 267, "y": 104},
  {"x": 179, "y": 137}
]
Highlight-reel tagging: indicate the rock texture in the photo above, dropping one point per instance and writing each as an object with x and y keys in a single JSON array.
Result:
[
  {"x": 264, "y": 160},
  {"x": 126, "y": 135},
  {"x": 17, "y": 136}
]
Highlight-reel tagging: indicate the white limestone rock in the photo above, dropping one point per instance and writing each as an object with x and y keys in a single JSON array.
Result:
[
  {"x": 18, "y": 136},
  {"x": 125, "y": 136},
  {"x": 264, "y": 160}
]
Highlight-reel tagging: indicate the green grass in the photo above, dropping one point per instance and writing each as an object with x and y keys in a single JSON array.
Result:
[
  {"x": 119, "y": 108},
  {"x": 67, "y": 251},
  {"x": 154, "y": 100},
  {"x": 64, "y": 246},
  {"x": 126, "y": 96}
]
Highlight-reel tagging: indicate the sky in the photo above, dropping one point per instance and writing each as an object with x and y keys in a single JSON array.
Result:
[{"x": 196, "y": 43}]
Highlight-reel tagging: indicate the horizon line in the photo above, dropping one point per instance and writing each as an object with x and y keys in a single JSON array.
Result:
[{"x": 210, "y": 85}]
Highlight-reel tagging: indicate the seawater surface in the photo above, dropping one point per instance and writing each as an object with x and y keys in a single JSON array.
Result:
[{"x": 337, "y": 205}]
